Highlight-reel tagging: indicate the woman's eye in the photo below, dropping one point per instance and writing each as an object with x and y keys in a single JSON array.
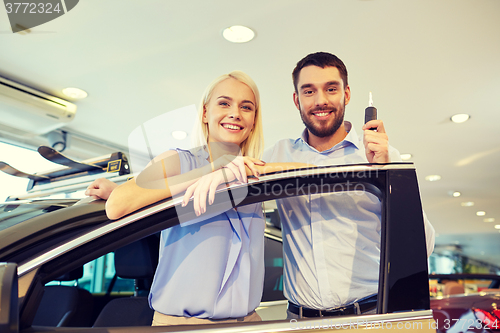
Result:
[
  {"x": 248, "y": 108},
  {"x": 224, "y": 103}
]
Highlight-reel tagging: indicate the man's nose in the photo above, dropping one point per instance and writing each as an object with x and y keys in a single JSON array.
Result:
[{"x": 321, "y": 98}]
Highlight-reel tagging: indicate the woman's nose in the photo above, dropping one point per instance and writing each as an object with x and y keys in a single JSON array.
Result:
[{"x": 234, "y": 112}]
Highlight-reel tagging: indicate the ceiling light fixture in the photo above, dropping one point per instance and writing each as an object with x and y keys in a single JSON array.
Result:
[
  {"x": 481, "y": 213},
  {"x": 179, "y": 135},
  {"x": 406, "y": 157},
  {"x": 460, "y": 118},
  {"x": 490, "y": 219},
  {"x": 433, "y": 178},
  {"x": 74, "y": 93},
  {"x": 467, "y": 204},
  {"x": 238, "y": 34},
  {"x": 497, "y": 226},
  {"x": 454, "y": 194}
]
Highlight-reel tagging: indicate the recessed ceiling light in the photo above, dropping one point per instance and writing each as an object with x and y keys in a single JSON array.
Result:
[
  {"x": 406, "y": 157},
  {"x": 497, "y": 226},
  {"x": 454, "y": 194},
  {"x": 179, "y": 135},
  {"x": 481, "y": 213},
  {"x": 460, "y": 118},
  {"x": 238, "y": 34},
  {"x": 433, "y": 178},
  {"x": 467, "y": 204},
  {"x": 490, "y": 219},
  {"x": 74, "y": 93}
]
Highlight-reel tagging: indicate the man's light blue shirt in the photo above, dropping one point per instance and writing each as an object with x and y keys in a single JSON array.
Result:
[{"x": 331, "y": 242}]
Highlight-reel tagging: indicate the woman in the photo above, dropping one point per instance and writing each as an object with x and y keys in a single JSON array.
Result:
[{"x": 212, "y": 270}]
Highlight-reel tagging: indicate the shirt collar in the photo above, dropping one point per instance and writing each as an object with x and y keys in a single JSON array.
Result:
[{"x": 351, "y": 138}]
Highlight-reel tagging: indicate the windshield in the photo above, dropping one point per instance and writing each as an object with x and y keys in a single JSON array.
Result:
[{"x": 12, "y": 214}]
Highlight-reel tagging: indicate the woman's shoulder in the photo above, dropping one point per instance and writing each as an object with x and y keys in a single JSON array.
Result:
[
  {"x": 165, "y": 154},
  {"x": 193, "y": 158}
]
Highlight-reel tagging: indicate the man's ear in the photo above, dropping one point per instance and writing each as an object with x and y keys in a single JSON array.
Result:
[
  {"x": 296, "y": 100},
  {"x": 347, "y": 95}
]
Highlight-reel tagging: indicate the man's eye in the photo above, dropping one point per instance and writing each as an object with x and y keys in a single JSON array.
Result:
[
  {"x": 308, "y": 92},
  {"x": 332, "y": 89}
]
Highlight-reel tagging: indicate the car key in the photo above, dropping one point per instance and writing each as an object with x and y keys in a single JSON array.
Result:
[{"x": 370, "y": 111}]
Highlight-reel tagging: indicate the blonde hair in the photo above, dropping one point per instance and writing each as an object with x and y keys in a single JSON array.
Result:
[{"x": 253, "y": 145}]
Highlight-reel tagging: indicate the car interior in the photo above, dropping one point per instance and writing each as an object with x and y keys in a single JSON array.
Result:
[{"x": 114, "y": 290}]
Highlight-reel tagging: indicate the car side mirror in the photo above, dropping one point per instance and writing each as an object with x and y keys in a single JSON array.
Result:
[{"x": 9, "y": 315}]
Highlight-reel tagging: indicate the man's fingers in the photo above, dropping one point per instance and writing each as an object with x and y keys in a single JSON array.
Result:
[
  {"x": 374, "y": 137},
  {"x": 375, "y": 124}
]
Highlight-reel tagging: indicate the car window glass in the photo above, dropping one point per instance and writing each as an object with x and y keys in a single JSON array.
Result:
[
  {"x": 97, "y": 277},
  {"x": 12, "y": 214},
  {"x": 273, "y": 278},
  {"x": 343, "y": 209}
]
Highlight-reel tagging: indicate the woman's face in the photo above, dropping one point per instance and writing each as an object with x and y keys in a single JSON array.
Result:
[{"x": 230, "y": 112}]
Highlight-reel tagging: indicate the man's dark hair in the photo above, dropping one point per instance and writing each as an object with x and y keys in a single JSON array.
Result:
[{"x": 320, "y": 59}]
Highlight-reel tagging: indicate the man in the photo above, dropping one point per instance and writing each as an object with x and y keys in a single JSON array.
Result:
[{"x": 331, "y": 242}]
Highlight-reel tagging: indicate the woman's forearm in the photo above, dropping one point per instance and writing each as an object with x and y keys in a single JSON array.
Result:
[{"x": 130, "y": 196}]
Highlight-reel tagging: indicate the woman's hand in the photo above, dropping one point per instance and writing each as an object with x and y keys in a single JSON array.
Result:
[
  {"x": 207, "y": 185},
  {"x": 238, "y": 165},
  {"x": 101, "y": 188}
]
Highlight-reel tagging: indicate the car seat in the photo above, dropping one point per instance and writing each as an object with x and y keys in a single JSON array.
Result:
[
  {"x": 63, "y": 306},
  {"x": 136, "y": 261},
  {"x": 453, "y": 288}
]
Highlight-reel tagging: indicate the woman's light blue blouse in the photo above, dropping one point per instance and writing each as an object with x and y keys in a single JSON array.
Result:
[{"x": 213, "y": 268}]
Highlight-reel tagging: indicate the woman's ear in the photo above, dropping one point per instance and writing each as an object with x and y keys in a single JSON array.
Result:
[{"x": 205, "y": 121}]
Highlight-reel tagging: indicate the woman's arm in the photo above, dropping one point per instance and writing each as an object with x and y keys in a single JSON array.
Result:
[
  {"x": 204, "y": 189},
  {"x": 161, "y": 179}
]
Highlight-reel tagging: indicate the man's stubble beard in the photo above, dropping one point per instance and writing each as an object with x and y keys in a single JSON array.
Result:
[{"x": 321, "y": 131}]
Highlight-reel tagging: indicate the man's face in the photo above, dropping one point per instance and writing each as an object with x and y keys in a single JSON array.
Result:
[{"x": 321, "y": 99}]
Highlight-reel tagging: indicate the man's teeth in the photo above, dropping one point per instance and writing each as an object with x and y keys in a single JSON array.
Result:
[
  {"x": 233, "y": 127},
  {"x": 322, "y": 114}
]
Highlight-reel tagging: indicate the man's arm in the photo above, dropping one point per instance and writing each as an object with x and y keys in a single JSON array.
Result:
[{"x": 278, "y": 167}]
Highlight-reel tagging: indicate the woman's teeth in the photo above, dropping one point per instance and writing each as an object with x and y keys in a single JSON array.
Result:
[{"x": 233, "y": 127}]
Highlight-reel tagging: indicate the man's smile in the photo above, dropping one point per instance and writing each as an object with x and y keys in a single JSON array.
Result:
[{"x": 322, "y": 114}]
